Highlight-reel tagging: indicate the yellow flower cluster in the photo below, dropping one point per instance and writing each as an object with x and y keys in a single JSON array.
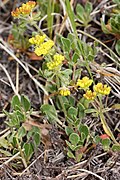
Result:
[
  {"x": 85, "y": 82},
  {"x": 44, "y": 48},
  {"x": 102, "y": 89},
  {"x": 90, "y": 95},
  {"x": 56, "y": 62},
  {"x": 64, "y": 91},
  {"x": 24, "y": 10},
  {"x": 37, "y": 40},
  {"x": 41, "y": 47}
]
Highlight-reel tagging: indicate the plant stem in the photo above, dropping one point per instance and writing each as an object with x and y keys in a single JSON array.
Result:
[
  {"x": 104, "y": 123},
  {"x": 21, "y": 153},
  {"x": 60, "y": 98},
  {"x": 88, "y": 68}
]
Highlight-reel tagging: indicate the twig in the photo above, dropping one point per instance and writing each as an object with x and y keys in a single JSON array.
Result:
[
  {"x": 32, "y": 164},
  {"x": 26, "y": 69},
  {"x": 9, "y": 78},
  {"x": 84, "y": 170},
  {"x": 10, "y": 159},
  {"x": 17, "y": 77}
]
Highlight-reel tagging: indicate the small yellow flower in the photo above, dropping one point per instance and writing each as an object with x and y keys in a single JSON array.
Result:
[
  {"x": 58, "y": 58},
  {"x": 90, "y": 95},
  {"x": 44, "y": 48},
  {"x": 85, "y": 82},
  {"x": 24, "y": 10},
  {"x": 102, "y": 89},
  {"x": 64, "y": 91},
  {"x": 16, "y": 13},
  {"x": 56, "y": 62},
  {"x": 37, "y": 40}
]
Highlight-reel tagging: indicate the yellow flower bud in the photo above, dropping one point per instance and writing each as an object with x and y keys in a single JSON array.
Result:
[
  {"x": 24, "y": 10},
  {"x": 56, "y": 62},
  {"x": 64, "y": 91},
  {"x": 37, "y": 40},
  {"x": 90, "y": 95}
]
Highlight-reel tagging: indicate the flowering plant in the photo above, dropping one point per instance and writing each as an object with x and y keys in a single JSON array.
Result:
[{"x": 70, "y": 93}]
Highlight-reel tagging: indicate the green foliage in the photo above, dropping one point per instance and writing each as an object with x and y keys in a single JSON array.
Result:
[
  {"x": 50, "y": 112},
  {"x": 83, "y": 13},
  {"x": 117, "y": 47},
  {"x": 72, "y": 44},
  {"x": 116, "y": 147},
  {"x": 50, "y": 10},
  {"x": 71, "y": 16},
  {"x": 28, "y": 151},
  {"x": 19, "y": 138},
  {"x": 17, "y": 37},
  {"x": 106, "y": 144},
  {"x": 21, "y": 110},
  {"x": 67, "y": 110},
  {"x": 77, "y": 140},
  {"x": 74, "y": 139},
  {"x": 113, "y": 25}
]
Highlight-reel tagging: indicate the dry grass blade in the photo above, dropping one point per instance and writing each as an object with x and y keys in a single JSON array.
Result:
[
  {"x": 111, "y": 76},
  {"x": 84, "y": 170},
  {"x": 3, "y": 46},
  {"x": 9, "y": 78}
]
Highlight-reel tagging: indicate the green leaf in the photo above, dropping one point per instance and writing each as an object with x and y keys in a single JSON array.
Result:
[
  {"x": 72, "y": 112},
  {"x": 36, "y": 138},
  {"x": 71, "y": 100},
  {"x": 116, "y": 106},
  {"x": 70, "y": 154},
  {"x": 21, "y": 132},
  {"x": 73, "y": 41},
  {"x": 74, "y": 138},
  {"x": 68, "y": 130},
  {"x": 15, "y": 103},
  {"x": 116, "y": 1},
  {"x": 21, "y": 117},
  {"x": 50, "y": 112},
  {"x": 75, "y": 57},
  {"x": 28, "y": 151},
  {"x": 79, "y": 156},
  {"x": 84, "y": 129},
  {"x": 88, "y": 111},
  {"x": 66, "y": 72},
  {"x": 88, "y": 8},
  {"x": 80, "y": 11},
  {"x": 116, "y": 147},
  {"x": 14, "y": 143},
  {"x": 14, "y": 120},
  {"x": 25, "y": 103},
  {"x": 77, "y": 74},
  {"x": 83, "y": 137},
  {"x": 32, "y": 132},
  {"x": 106, "y": 144},
  {"x": 71, "y": 146},
  {"x": 66, "y": 44},
  {"x": 6, "y": 153},
  {"x": 104, "y": 28},
  {"x": 97, "y": 139},
  {"x": 117, "y": 47},
  {"x": 4, "y": 143},
  {"x": 81, "y": 110}
]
